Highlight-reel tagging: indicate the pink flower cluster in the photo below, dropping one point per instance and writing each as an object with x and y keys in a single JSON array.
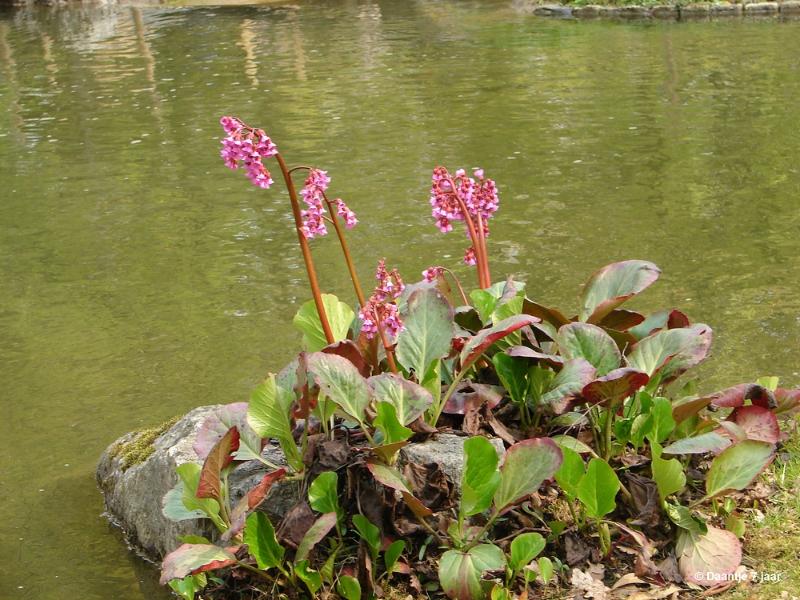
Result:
[
  {"x": 313, "y": 194},
  {"x": 249, "y": 147},
  {"x": 451, "y": 195},
  {"x": 431, "y": 273},
  {"x": 381, "y": 310}
]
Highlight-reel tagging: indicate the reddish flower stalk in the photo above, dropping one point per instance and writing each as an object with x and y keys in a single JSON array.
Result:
[
  {"x": 306, "y": 250},
  {"x": 248, "y": 146},
  {"x": 462, "y": 198}
]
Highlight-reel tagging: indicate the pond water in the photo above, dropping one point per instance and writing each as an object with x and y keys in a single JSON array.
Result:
[{"x": 140, "y": 278}]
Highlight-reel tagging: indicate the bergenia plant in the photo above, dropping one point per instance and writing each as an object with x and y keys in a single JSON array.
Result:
[{"x": 577, "y": 432}]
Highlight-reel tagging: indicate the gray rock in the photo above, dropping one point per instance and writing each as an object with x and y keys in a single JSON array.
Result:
[
  {"x": 447, "y": 450},
  {"x": 634, "y": 12},
  {"x": 589, "y": 11},
  {"x": 790, "y": 7},
  {"x": 725, "y": 9},
  {"x": 761, "y": 8},
  {"x": 133, "y": 496},
  {"x": 553, "y": 10},
  {"x": 664, "y": 12},
  {"x": 695, "y": 11}
]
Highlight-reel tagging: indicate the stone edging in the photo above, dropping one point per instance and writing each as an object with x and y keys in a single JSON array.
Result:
[{"x": 675, "y": 12}]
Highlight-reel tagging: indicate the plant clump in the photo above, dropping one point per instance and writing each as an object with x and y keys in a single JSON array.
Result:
[{"x": 615, "y": 470}]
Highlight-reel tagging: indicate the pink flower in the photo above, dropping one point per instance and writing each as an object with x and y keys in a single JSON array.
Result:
[
  {"x": 348, "y": 215},
  {"x": 431, "y": 273},
  {"x": 452, "y": 195},
  {"x": 244, "y": 145},
  {"x": 380, "y": 311},
  {"x": 469, "y": 256},
  {"x": 313, "y": 194}
]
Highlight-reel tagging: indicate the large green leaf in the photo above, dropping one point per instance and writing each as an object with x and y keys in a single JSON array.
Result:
[
  {"x": 571, "y": 472},
  {"x": 217, "y": 425},
  {"x": 513, "y": 374},
  {"x": 460, "y": 572},
  {"x": 341, "y": 382},
  {"x": 672, "y": 351},
  {"x": 348, "y": 587},
  {"x": 189, "y": 474},
  {"x": 386, "y": 421},
  {"x": 738, "y": 466},
  {"x": 526, "y": 465},
  {"x": 598, "y": 489},
  {"x": 524, "y": 548},
  {"x": 567, "y": 384},
  {"x": 259, "y": 535},
  {"x": 480, "y": 478},
  {"x": 668, "y": 474},
  {"x": 268, "y": 415},
  {"x": 323, "y": 493},
  {"x": 614, "y": 284},
  {"x": 192, "y": 558},
  {"x": 590, "y": 342},
  {"x": 340, "y": 317},
  {"x": 174, "y": 509},
  {"x": 427, "y": 330},
  {"x": 410, "y": 400},
  {"x": 368, "y": 532}
]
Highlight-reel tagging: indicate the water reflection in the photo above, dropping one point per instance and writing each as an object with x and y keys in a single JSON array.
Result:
[{"x": 141, "y": 278}]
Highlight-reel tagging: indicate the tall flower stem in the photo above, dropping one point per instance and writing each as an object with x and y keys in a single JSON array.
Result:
[
  {"x": 487, "y": 277},
  {"x": 348, "y": 258},
  {"x": 386, "y": 345},
  {"x": 473, "y": 235},
  {"x": 306, "y": 250}
]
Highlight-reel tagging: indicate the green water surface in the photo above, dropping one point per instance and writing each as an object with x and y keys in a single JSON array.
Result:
[{"x": 140, "y": 278}]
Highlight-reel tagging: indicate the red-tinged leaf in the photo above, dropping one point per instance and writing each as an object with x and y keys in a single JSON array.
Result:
[
  {"x": 547, "y": 314},
  {"x": 677, "y": 319},
  {"x": 220, "y": 456},
  {"x": 217, "y": 425},
  {"x": 391, "y": 478},
  {"x": 672, "y": 351},
  {"x": 758, "y": 423},
  {"x": 614, "y": 284},
  {"x": 688, "y": 408},
  {"x": 553, "y": 360},
  {"x": 787, "y": 400},
  {"x": 699, "y": 444},
  {"x": 315, "y": 535},
  {"x": 621, "y": 319},
  {"x": 484, "y": 339},
  {"x": 195, "y": 558},
  {"x": 735, "y": 396},
  {"x": 566, "y": 386},
  {"x": 614, "y": 387},
  {"x": 709, "y": 558},
  {"x": 349, "y": 349},
  {"x": 526, "y": 465},
  {"x": 250, "y": 502},
  {"x": 625, "y": 340},
  {"x": 733, "y": 431},
  {"x": 471, "y": 396}
]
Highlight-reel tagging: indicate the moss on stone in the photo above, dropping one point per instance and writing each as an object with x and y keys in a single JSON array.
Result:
[{"x": 140, "y": 447}]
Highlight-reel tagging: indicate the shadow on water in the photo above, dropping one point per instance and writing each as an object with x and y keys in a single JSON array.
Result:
[{"x": 140, "y": 278}]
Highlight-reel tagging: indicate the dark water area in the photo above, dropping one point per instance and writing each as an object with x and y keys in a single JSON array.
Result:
[{"x": 141, "y": 278}]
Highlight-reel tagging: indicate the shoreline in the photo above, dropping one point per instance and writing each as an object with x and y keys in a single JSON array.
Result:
[{"x": 675, "y": 12}]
